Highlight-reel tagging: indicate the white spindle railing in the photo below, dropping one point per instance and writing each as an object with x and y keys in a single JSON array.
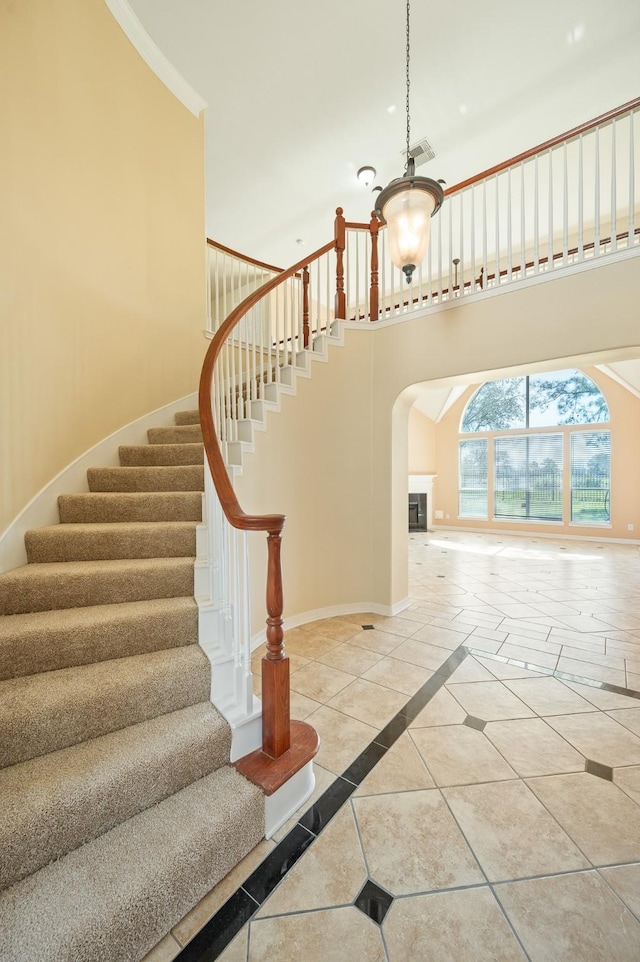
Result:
[
  {"x": 573, "y": 200},
  {"x": 230, "y": 278},
  {"x": 260, "y": 354}
]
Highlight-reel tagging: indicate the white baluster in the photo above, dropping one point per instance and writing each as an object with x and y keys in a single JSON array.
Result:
[
  {"x": 550, "y": 263},
  {"x": 509, "y": 245},
  {"x": 565, "y": 206},
  {"x": 596, "y": 237},
  {"x": 632, "y": 191},
  {"x": 472, "y": 285},
  {"x": 497, "y": 267},
  {"x": 440, "y": 256},
  {"x": 614, "y": 201},
  {"x": 536, "y": 220},
  {"x": 484, "y": 235}
]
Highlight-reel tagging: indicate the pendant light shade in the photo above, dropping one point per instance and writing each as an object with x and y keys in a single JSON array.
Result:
[{"x": 406, "y": 206}]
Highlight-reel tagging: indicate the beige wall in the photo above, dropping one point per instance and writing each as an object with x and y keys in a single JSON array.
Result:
[
  {"x": 624, "y": 410},
  {"x": 102, "y": 303},
  {"x": 421, "y": 443}
]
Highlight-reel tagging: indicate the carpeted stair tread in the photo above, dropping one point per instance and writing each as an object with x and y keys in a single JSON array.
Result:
[
  {"x": 46, "y": 712},
  {"x": 180, "y": 434},
  {"x": 99, "y": 507},
  {"x": 50, "y": 640},
  {"x": 115, "y": 540},
  {"x": 187, "y": 417},
  {"x": 136, "y": 455},
  {"x": 114, "y": 898},
  {"x": 185, "y": 477},
  {"x": 71, "y": 584},
  {"x": 57, "y": 802}
]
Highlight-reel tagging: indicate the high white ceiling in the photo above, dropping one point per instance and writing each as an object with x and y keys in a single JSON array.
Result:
[{"x": 299, "y": 96}]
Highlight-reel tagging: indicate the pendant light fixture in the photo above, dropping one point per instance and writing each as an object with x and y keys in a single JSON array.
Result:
[{"x": 408, "y": 203}]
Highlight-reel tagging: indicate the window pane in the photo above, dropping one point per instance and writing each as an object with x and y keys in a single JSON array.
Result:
[
  {"x": 590, "y": 476},
  {"x": 565, "y": 397},
  {"x": 528, "y": 477},
  {"x": 496, "y": 406},
  {"x": 473, "y": 479}
]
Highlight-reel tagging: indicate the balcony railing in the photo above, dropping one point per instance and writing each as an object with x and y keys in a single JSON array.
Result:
[{"x": 572, "y": 199}]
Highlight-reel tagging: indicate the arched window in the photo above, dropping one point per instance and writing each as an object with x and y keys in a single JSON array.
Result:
[
  {"x": 538, "y": 400},
  {"x": 525, "y": 455}
]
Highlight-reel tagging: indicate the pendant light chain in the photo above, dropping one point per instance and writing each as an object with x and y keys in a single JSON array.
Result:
[
  {"x": 408, "y": 203},
  {"x": 408, "y": 84}
]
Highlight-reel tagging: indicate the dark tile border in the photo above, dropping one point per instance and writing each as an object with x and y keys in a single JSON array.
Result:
[
  {"x": 555, "y": 673},
  {"x": 223, "y": 927}
]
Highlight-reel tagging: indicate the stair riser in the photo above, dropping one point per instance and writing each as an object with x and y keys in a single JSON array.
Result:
[
  {"x": 93, "y": 787},
  {"x": 186, "y": 478},
  {"x": 161, "y": 454},
  {"x": 182, "y": 434},
  {"x": 120, "y": 507},
  {"x": 64, "y": 544},
  {"x": 187, "y": 417},
  {"x": 120, "y": 633},
  {"x": 37, "y": 716},
  {"x": 78, "y": 590}
]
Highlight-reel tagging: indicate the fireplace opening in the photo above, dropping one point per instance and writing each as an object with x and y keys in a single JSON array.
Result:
[{"x": 417, "y": 512}]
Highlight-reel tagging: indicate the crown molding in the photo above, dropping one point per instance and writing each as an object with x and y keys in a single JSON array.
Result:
[{"x": 154, "y": 58}]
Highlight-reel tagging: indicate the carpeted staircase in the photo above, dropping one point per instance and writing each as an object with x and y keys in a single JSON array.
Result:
[{"x": 118, "y": 807}]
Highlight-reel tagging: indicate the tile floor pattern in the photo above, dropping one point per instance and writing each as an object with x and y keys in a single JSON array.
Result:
[{"x": 503, "y": 821}]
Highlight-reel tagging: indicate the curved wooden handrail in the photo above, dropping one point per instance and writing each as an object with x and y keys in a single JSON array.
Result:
[
  {"x": 531, "y": 152},
  {"x": 547, "y": 145},
  {"x": 279, "y": 758},
  {"x": 244, "y": 257},
  {"x": 273, "y": 523}
]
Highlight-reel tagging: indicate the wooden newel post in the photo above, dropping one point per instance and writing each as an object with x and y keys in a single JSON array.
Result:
[
  {"x": 305, "y": 306},
  {"x": 374, "y": 291},
  {"x": 340, "y": 234},
  {"x": 276, "y": 734}
]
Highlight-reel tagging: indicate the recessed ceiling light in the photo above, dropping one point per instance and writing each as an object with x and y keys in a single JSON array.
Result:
[
  {"x": 392, "y": 109},
  {"x": 463, "y": 109},
  {"x": 366, "y": 175}
]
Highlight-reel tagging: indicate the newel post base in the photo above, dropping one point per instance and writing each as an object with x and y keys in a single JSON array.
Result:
[
  {"x": 276, "y": 738},
  {"x": 270, "y": 774}
]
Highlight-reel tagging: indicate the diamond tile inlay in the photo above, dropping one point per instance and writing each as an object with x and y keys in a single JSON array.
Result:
[
  {"x": 595, "y": 768},
  {"x": 373, "y": 901},
  {"x": 472, "y": 722}
]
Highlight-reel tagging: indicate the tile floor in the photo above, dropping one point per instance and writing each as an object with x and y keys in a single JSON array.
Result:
[{"x": 478, "y": 780}]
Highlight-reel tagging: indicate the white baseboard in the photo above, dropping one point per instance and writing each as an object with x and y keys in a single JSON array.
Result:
[
  {"x": 560, "y": 536},
  {"x": 43, "y": 507},
  {"x": 334, "y": 611}
]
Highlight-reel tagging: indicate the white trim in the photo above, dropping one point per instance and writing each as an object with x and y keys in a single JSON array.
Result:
[
  {"x": 43, "y": 507},
  {"x": 526, "y": 282},
  {"x": 538, "y": 534},
  {"x": 288, "y": 798},
  {"x": 334, "y": 611},
  {"x": 154, "y": 57},
  {"x": 608, "y": 372}
]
